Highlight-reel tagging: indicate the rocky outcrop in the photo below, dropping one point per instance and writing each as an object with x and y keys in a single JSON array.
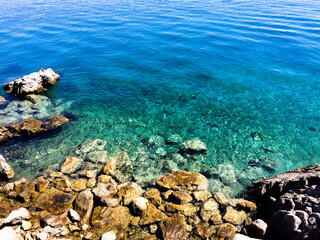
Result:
[
  {"x": 33, "y": 83},
  {"x": 6, "y": 171},
  {"x": 290, "y": 203}
]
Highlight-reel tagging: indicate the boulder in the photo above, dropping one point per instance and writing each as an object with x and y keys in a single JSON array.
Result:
[
  {"x": 33, "y": 83},
  {"x": 201, "y": 196},
  {"x": 209, "y": 208},
  {"x": 107, "y": 193},
  {"x": 180, "y": 197},
  {"x": 194, "y": 146},
  {"x": 83, "y": 205},
  {"x": 257, "y": 229},
  {"x": 129, "y": 191},
  {"x": 56, "y": 221},
  {"x": 182, "y": 181},
  {"x": 17, "y": 216},
  {"x": 8, "y": 233},
  {"x": 71, "y": 165},
  {"x": 5, "y": 134},
  {"x": 79, "y": 185},
  {"x": 6, "y": 171},
  {"x": 26, "y": 127}
]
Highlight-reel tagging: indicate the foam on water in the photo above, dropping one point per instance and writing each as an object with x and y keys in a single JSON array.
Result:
[{"x": 243, "y": 76}]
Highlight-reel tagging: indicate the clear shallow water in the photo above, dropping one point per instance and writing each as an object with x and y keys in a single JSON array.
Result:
[{"x": 243, "y": 76}]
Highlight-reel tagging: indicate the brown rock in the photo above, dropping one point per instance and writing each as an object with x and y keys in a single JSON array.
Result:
[
  {"x": 62, "y": 183},
  {"x": 5, "y": 134},
  {"x": 110, "y": 167},
  {"x": 180, "y": 197},
  {"x": 234, "y": 217},
  {"x": 27, "y": 190},
  {"x": 151, "y": 215},
  {"x": 174, "y": 228},
  {"x": 108, "y": 218},
  {"x": 107, "y": 193},
  {"x": 54, "y": 201},
  {"x": 71, "y": 165},
  {"x": 153, "y": 196},
  {"x": 182, "y": 180},
  {"x": 129, "y": 191},
  {"x": 56, "y": 220},
  {"x": 209, "y": 208},
  {"x": 201, "y": 196},
  {"x": 107, "y": 179},
  {"x": 84, "y": 205},
  {"x": 26, "y": 127},
  {"x": 203, "y": 231},
  {"x": 221, "y": 198},
  {"x": 41, "y": 184},
  {"x": 79, "y": 185},
  {"x": 54, "y": 122},
  {"x": 166, "y": 195},
  {"x": 142, "y": 235},
  {"x": 187, "y": 209},
  {"x": 243, "y": 204},
  {"x": 6, "y": 171},
  {"x": 226, "y": 231}
]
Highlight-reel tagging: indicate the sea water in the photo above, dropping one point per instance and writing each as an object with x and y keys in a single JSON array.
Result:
[{"x": 243, "y": 76}]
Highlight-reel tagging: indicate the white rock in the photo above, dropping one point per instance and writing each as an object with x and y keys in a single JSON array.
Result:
[
  {"x": 17, "y": 216},
  {"x": 109, "y": 236},
  {"x": 8, "y": 233},
  {"x": 26, "y": 225},
  {"x": 74, "y": 216},
  {"x": 6, "y": 170},
  {"x": 194, "y": 146},
  {"x": 239, "y": 236},
  {"x": 139, "y": 205}
]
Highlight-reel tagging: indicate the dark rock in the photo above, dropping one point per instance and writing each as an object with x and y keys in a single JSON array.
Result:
[
  {"x": 54, "y": 122},
  {"x": 257, "y": 229}
]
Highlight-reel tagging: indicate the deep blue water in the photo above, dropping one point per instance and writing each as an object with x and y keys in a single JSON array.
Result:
[{"x": 243, "y": 76}]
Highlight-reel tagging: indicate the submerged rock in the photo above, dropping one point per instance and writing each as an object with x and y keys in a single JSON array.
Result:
[
  {"x": 33, "y": 83},
  {"x": 194, "y": 146},
  {"x": 54, "y": 122},
  {"x": 6, "y": 171}
]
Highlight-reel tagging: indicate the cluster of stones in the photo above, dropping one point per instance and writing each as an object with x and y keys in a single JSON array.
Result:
[
  {"x": 98, "y": 205},
  {"x": 290, "y": 204}
]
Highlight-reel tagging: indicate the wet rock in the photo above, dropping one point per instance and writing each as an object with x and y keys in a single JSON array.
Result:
[
  {"x": 33, "y": 83},
  {"x": 97, "y": 156},
  {"x": 17, "y": 216},
  {"x": 174, "y": 228},
  {"x": 108, "y": 218},
  {"x": 83, "y": 205},
  {"x": 26, "y": 127},
  {"x": 139, "y": 205},
  {"x": 71, "y": 165},
  {"x": 182, "y": 180},
  {"x": 6, "y": 171},
  {"x": 5, "y": 134},
  {"x": 257, "y": 229},
  {"x": 111, "y": 235},
  {"x": 91, "y": 146},
  {"x": 234, "y": 217},
  {"x": 129, "y": 191},
  {"x": 174, "y": 139},
  {"x": 151, "y": 215},
  {"x": 54, "y": 201},
  {"x": 54, "y": 122},
  {"x": 194, "y": 146},
  {"x": 155, "y": 140}
]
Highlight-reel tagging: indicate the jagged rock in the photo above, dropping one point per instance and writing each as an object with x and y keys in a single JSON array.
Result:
[
  {"x": 74, "y": 215},
  {"x": 201, "y": 196},
  {"x": 174, "y": 228},
  {"x": 186, "y": 209},
  {"x": 109, "y": 218},
  {"x": 180, "y": 197},
  {"x": 194, "y": 146},
  {"x": 139, "y": 205},
  {"x": 110, "y": 167},
  {"x": 203, "y": 231},
  {"x": 174, "y": 139},
  {"x": 71, "y": 165},
  {"x": 153, "y": 196},
  {"x": 26, "y": 127},
  {"x": 17, "y": 216},
  {"x": 26, "y": 225},
  {"x": 182, "y": 180},
  {"x": 111, "y": 235},
  {"x": 221, "y": 198},
  {"x": 5, "y": 134},
  {"x": 209, "y": 208},
  {"x": 243, "y": 204},
  {"x": 79, "y": 185},
  {"x": 129, "y": 191},
  {"x": 91, "y": 146},
  {"x": 6, "y": 171},
  {"x": 226, "y": 231},
  {"x": 239, "y": 236},
  {"x": 84, "y": 205},
  {"x": 27, "y": 191},
  {"x": 107, "y": 193},
  {"x": 54, "y": 201},
  {"x": 151, "y": 215},
  {"x": 54, "y": 122},
  {"x": 8, "y": 233},
  {"x": 33, "y": 83},
  {"x": 234, "y": 217},
  {"x": 56, "y": 220}
]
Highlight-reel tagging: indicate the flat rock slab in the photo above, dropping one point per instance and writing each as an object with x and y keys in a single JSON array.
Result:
[{"x": 33, "y": 83}]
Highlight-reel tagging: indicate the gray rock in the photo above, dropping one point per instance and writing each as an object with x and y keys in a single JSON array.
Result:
[
  {"x": 6, "y": 171},
  {"x": 194, "y": 146},
  {"x": 33, "y": 83},
  {"x": 174, "y": 139},
  {"x": 91, "y": 146},
  {"x": 17, "y": 216}
]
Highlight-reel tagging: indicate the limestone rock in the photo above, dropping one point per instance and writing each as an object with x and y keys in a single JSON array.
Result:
[
  {"x": 17, "y": 216},
  {"x": 129, "y": 191},
  {"x": 5, "y": 134},
  {"x": 71, "y": 165},
  {"x": 8, "y": 233},
  {"x": 194, "y": 146},
  {"x": 201, "y": 196},
  {"x": 6, "y": 171},
  {"x": 33, "y": 83},
  {"x": 186, "y": 209},
  {"x": 83, "y": 205},
  {"x": 174, "y": 228},
  {"x": 26, "y": 127},
  {"x": 74, "y": 215},
  {"x": 182, "y": 180},
  {"x": 221, "y": 198},
  {"x": 106, "y": 192},
  {"x": 56, "y": 221},
  {"x": 153, "y": 195},
  {"x": 109, "y": 218},
  {"x": 111, "y": 235},
  {"x": 26, "y": 225},
  {"x": 54, "y": 122},
  {"x": 110, "y": 167},
  {"x": 234, "y": 217},
  {"x": 151, "y": 215},
  {"x": 209, "y": 208},
  {"x": 180, "y": 197}
]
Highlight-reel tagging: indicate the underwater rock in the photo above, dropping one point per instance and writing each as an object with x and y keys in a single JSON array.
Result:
[
  {"x": 155, "y": 140},
  {"x": 227, "y": 173},
  {"x": 91, "y": 146},
  {"x": 5, "y": 134},
  {"x": 33, "y": 83},
  {"x": 174, "y": 139},
  {"x": 6, "y": 171},
  {"x": 194, "y": 146},
  {"x": 54, "y": 122}
]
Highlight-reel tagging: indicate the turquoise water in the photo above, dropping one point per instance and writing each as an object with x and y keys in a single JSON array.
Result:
[{"x": 242, "y": 76}]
